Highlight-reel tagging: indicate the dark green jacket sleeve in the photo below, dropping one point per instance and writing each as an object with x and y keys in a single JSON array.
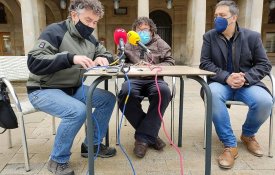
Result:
[{"x": 44, "y": 58}]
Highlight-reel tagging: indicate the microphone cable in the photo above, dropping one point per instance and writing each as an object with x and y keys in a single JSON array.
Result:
[
  {"x": 124, "y": 107},
  {"x": 159, "y": 69},
  {"x": 163, "y": 126},
  {"x": 120, "y": 124},
  {"x": 119, "y": 57},
  {"x": 84, "y": 97},
  {"x": 122, "y": 61}
]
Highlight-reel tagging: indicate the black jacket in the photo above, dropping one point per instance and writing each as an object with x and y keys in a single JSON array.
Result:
[{"x": 248, "y": 56}]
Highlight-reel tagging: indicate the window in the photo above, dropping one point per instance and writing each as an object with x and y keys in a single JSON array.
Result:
[
  {"x": 3, "y": 18},
  {"x": 271, "y": 17},
  {"x": 5, "y": 44},
  {"x": 120, "y": 11},
  {"x": 270, "y": 42}
]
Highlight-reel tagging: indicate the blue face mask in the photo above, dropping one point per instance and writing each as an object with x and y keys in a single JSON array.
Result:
[
  {"x": 221, "y": 24},
  {"x": 145, "y": 36}
]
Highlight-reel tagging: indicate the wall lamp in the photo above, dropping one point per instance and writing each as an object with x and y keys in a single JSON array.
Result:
[
  {"x": 116, "y": 4},
  {"x": 169, "y": 3},
  {"x": 63, "y": 4},
  {"x": 271, "y": 4}
]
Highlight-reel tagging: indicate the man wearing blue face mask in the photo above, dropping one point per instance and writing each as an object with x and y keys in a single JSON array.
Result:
[
  {"x": 146, "y": 124},
  {"x": 239, "y": 60},
  {"x": 57, "y": 63}
]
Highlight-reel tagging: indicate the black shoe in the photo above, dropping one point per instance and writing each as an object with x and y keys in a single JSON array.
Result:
[
  {"x": 104, "y": 151},
  {"x": 159, "y": 145},
  {"x": 59, "y": 168},
  {"x": 140, "y": 148}
]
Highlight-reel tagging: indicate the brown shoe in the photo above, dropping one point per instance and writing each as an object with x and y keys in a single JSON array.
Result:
[
  {"x": 159, "y": 145},
  {"x": 227, "y": 158},
  {"x": 140, "y": 148},
  {"x": 252, "y": 145}
]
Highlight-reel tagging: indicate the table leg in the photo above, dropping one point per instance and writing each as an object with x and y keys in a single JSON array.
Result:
[
  {"x": 180, "y": 112},
  {"x": 208, "y": 122},
  {"x": 90, "y": 135},
  {"x": 107, "y": 133}
]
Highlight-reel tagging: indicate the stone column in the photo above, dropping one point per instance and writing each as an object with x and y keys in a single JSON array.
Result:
[
  {"x": 41, "y": 16},
  {"x": 251, "y": 14},
  {"x": 33, "y": 21},
  {"x": 196, "y": 17},
  {"x": 143, "y": 8},
  {"x": 28, "y": 24}
]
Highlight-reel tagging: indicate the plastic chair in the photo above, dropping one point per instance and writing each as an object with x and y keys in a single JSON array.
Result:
[
  {"x": 270, "y": 153},
  {"x": 146, "y": 99},
  {"x": 15, "y": 69}
]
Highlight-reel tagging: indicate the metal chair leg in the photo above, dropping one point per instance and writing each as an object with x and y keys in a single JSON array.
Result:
[
  {"x": 173, "y": 109},
  {"x": 117, "y": 110},
  {"x": 53, "y": 125},
  {"x": 107, "y": 138},
  {"x": 21, "y": 123},
  {"x": 24, "y": 143},
  {"x": 9, "y": 138},
  {"x": 85, "y": 127},
  {"x": 204, "y": 133},
  {"x": 172, "y": 121},
  {"x": 270, "y": 153}
]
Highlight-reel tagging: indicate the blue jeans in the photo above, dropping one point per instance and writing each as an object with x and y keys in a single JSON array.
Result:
[
  {"x": 72, "y": 111},
  {"x": 256, "y": 98}
]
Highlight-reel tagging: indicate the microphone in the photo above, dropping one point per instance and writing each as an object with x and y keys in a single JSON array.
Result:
[
  {"x": 120, "y": 38},
  {"x": 134, "y": 39}
]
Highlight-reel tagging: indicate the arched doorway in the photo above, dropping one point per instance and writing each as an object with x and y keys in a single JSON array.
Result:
[
  {"x": 164, "y": 25},
  {"x": 11, "y": 37}
]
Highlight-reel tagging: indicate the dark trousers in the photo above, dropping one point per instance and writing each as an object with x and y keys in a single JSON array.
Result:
[{"x": 147, "y": 124}]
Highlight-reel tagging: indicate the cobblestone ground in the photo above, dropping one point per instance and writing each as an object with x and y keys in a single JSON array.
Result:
[{"x": 40, "y": 141}]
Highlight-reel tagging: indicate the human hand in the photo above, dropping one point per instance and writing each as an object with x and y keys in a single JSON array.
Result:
[
  {"x": 84, "y": 61},
  {"x": 236, "y": 80},
  {"x": 102, "y": 61}
]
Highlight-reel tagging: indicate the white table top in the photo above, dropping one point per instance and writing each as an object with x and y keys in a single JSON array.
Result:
[{"x": 146, "y": 71}]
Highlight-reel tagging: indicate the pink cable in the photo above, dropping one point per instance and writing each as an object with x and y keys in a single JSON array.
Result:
[{"x": 151, "y": 67}]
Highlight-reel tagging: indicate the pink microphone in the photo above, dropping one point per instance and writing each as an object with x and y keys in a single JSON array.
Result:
[{"x": 120, "y": 38}]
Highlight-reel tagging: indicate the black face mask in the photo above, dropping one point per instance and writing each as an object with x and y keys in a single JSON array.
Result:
[{"x": 84, "y": 31}]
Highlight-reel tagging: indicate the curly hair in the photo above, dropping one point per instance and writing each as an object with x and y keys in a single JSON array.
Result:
[
  {"x": 94, "y": 5},
  {"x": 145, "y": 20}
]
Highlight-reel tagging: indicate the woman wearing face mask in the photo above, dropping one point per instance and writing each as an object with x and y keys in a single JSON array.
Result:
[{"x": 146, "y": 124}]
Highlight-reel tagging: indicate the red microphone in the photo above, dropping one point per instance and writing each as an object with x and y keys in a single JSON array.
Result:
[{"x": 120, "y": 38}]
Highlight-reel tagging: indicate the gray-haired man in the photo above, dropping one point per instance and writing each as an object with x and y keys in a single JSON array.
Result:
[{"x": 54, "y": 85}]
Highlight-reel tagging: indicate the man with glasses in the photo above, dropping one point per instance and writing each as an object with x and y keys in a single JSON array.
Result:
[
  {"x": 146, "y": 124},
  {"x": 239, "y": 60},
  {"x": 57, "y": 62}
]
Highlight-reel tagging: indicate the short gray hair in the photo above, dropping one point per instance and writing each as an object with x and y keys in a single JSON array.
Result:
[
  {"x": 94, "y": 5},
  {"x": 145, "y": 20},
  {"x": 233, "y": 7}
]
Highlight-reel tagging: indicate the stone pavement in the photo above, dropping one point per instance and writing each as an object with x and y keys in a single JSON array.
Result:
[{"x": 40, "y": 141}]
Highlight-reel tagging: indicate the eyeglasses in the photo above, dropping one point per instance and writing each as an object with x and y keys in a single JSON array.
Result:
[{"x": 146, "y": 29}]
